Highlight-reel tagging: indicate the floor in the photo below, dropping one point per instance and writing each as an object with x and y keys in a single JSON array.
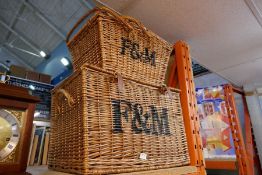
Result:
[{"x": 43, "y": 170}]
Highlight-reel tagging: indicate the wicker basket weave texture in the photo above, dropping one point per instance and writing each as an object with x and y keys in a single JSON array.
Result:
[
  {"x": 98, "y": 129},
  {"x": 120, "y": 44}
]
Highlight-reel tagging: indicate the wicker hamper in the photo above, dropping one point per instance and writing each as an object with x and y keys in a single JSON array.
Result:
[
  {"x": 103, "y": 123},
  {"x": 122, "y": 44}
]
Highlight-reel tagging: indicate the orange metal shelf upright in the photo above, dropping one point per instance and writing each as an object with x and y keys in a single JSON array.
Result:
[
  {"x": 241, "y": 154},
  {"x": 247, "y": 158},
  {"x": 181, "y": 75}
]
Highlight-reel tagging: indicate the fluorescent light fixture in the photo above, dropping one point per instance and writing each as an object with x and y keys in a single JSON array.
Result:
[
  {"x": 64, "y": 61},
  {"x": 42, "y": 53},
  {"x": 255, "y": 7},
  {"x": 31, "y": 87}
]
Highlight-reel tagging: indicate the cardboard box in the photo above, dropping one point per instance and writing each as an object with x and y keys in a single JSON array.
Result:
[
  {"x": 17, "y": 71},
  {"x": 45, "y": 78},
  {"x": 30, "y": 75}
]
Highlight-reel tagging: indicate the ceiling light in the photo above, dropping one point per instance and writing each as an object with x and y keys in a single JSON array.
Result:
[
  {"x": 64, "y": 61},
  {"x": 42, "y": 53},
  {"x": 31, "y": 87},
  {"x": 36, "y": 114}
]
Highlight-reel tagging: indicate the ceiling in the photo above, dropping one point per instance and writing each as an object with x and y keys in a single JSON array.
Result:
[
  {"x": 224, "y": 36},
  {"x": 30, "y": 26}
]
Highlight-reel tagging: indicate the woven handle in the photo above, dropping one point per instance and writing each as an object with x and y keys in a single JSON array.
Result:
[
  {"x": 70, "y": 99},
  {"x": 101, "y": 10},
  {"x": 138, "y": 24},
  {"x": 166, "y": 90}
]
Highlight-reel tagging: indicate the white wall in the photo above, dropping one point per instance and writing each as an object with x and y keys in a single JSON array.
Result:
[
  {"x": 209, "y": 80},
  {"x": 255, "y": 112}
]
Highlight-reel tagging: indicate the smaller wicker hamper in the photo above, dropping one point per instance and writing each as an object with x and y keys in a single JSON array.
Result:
[
  {"x": 104, "y": 123},
  {"x": 119, "y": 43}
]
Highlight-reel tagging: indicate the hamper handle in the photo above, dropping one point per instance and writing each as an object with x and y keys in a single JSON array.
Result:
[
  {"x": 102, "y": 10},
  {"x": 166, "y": 90},
  {"x": 138, "y": 24},
  {"x": 70, "y": 99}
]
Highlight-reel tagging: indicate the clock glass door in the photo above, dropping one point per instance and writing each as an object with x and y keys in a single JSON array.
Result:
[{"x": 9, "y": 133}]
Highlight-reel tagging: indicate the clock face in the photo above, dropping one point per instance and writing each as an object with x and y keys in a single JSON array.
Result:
[{"x": 10, "y": 133}]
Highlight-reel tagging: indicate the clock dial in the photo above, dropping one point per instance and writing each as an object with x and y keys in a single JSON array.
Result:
[
  {"x": 6, "y": 133},
  {"x": 10, "y": 133}
]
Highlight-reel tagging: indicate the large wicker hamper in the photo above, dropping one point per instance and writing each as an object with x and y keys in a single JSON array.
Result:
[
  {"x": 119, "y": 44},
  {"x": 103, "y": 123}
]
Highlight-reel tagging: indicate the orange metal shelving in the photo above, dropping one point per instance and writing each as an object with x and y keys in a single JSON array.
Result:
[
  {"x": 245, "y": 154},
  {"x": 181, "y": 75},
  {"x": 221, "y": 164},
  {"x": 245, "y": 165}
]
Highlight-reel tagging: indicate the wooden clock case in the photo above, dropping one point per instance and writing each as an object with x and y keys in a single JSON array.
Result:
[{"x": 17, "y": 98}]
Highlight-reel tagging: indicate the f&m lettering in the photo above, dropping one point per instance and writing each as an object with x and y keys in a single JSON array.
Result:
[
  {"x": 133, "y": 49},
  {"x": 149, "y": 122}
]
